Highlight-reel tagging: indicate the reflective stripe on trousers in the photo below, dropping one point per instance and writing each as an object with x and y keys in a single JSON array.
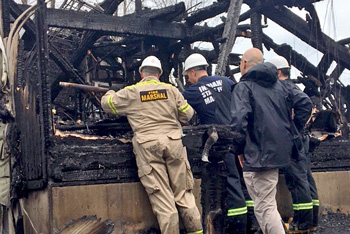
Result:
[
  {"x": 237, "y": 211},
  {"x": 250, "y": 203},
  {"x": 303, "y": 206},
  {"x": 196, "y": 232}
]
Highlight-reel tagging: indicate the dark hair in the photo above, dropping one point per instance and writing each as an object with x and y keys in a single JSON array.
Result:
[
  {"x": 285, "y": 71},
  {"x": 199, "y": 68}
]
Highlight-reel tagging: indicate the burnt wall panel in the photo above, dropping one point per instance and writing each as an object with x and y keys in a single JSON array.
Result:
[
  {"x": 76, "y": 159},
  {"x": 28, "y": 121},
  {"x": 331, "y": 155}
]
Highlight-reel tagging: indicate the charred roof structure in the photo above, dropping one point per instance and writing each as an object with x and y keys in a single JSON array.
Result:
[{"x": 62, "y": 136}]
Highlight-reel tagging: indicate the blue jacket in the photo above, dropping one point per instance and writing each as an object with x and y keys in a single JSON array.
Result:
[{"x": 210, "y": 97}]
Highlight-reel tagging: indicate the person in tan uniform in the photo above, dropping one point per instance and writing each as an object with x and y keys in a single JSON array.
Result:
[{"x": 155, "y": 111}]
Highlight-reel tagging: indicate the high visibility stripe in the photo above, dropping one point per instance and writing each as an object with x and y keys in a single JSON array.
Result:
[
  {"x": 237, "y": 211},
  {"x": 147, "y": 83},
  {"x": 196, "y": 232},
  {"x": 184, "y": 108},
  {"x": 315, "y": 202},
  {"x": 111, "y": 105},
  {"x": 250, "y": 203},
  {"x": 303, "y": 206}
]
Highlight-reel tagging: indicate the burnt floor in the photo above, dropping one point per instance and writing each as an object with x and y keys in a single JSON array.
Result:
[{"x": 334, "y": 224}]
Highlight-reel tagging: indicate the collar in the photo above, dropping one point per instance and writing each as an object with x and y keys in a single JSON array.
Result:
[
  {"x": 148, "y": 78},
  {"x": 200, "y": 78}
]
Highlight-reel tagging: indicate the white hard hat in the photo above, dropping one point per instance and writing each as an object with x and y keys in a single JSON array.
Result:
[
  {"x": 151, "y": 61},
  {"x": 194, "y": 60},
  {"x": 279, "y": 61}
]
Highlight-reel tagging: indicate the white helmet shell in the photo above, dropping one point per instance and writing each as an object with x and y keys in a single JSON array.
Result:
[
  {"x": 151, "y": 61},
  {"x": 194, "y": 60},
  {"x": 279, "y": 61}
]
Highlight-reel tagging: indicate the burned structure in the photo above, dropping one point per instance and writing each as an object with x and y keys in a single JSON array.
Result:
[{"x": 61, "y": 137}]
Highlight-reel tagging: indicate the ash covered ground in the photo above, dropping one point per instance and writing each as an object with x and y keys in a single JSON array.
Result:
[{"x": 334, "y": 223}]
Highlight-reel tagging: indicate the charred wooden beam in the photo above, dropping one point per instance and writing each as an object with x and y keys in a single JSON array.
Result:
[
  {"x": 229, "y": 34},
  {"x": 294, "y": 24},
  {"x": 54, "y": 54},
  {"x": 109, "y": 126},
  {"x": 310, "y": 73},
  {"x": 44, "y": 91},
  {"x": 202, "y": 34},
  {"x": 57, "y": 57},
  {"x": 138, "y": 6},
  {"x": 297, "y": 60},
  {"x": 338, "y": 70},
  {"x": 4, "y": 18},
  {"x": 294, "y": 3},
  {"x": 324, "y": 65},
  {"x": 111, "y": 25},
  {"x": 344, "y": 41},
  {"x": 69, "y": 70},
  {"x": 165, "y": 14},
  {"x": 257, "y": 36},
  {"x": 222, "y": 6},
  {"x": 65, "y": 65},
  {"x": 89, "y": 39},
  {"x": 117, "y": 49},
  {"x": 207, "y": 12},
  {"x": 211, "y": 56}
]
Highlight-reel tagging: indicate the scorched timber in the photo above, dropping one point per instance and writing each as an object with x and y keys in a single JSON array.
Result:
[
  {"x": 296, "y": 25},
  {"x": 116, "y": 25}
]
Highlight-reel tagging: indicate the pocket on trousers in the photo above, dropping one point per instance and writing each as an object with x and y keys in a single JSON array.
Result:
[
  {"x": 189, "y": 176},
  {"x": 298, "y": 151},
  {"x": 147, "y": 179}
]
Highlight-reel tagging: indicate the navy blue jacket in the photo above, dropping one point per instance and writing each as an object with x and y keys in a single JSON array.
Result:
[
  {"x": 261, "y": 110},
  {"x": 210, "y": 97}
]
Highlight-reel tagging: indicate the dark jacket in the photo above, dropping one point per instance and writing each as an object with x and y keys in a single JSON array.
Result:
[
  {"x": 302, "y": 111},
  {"x": 261, "y": 110},
  {"x": 210, "y": 97}
]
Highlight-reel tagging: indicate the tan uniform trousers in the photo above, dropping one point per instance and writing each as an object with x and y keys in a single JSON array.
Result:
[
  {"x": 262, "y": 189},
  {"x": 165, "y": 173}
]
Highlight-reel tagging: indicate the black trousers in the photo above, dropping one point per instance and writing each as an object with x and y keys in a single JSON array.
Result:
[
  {"x": 296, "y": 177},
  {"x": 239, "y": 212},
  {"x": 312, "y": 184}
]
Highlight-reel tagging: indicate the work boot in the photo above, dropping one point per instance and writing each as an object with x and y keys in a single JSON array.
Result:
[
  {"x": 235, "y": 224},
  {"x": 315, "y": 219},
  {"x": 213, "y": 221},
  {"x": 293, "y": 229},
  {"x": 252, "y": 223},
  {"x": 284, "y": 226},
  {"x": 259, "y": 231}
]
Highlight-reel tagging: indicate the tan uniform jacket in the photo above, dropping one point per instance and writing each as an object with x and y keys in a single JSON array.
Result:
[{"x": 152, "y": 107}]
